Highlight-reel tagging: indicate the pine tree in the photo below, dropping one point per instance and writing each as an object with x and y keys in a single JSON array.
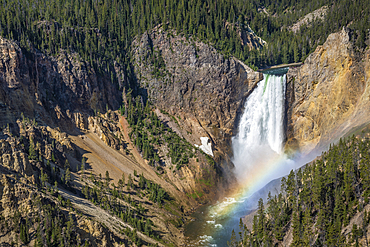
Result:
[
  {"x": 297, "y": 238},
  {"x": 24, "y": 233},
  {"x": 307, "y": 223},
  {"x": 233, "y": 242},
  {"x": 107, "y": 179},
  {"x": 31, "y": 150},
  {"x": 261, "y": 219},
  {"x": 67, "y": 177},
  {"x": 129, "y": 182}
]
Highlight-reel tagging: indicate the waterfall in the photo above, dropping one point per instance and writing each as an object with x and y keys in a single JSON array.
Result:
[
  {"x": 258, "y": 158},
  {"x": 260, "y": 132}
]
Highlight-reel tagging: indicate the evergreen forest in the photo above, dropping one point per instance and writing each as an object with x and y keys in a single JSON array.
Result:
[
  {"x": 101, "y": 31},
  {"x": 317, "y": 202}
]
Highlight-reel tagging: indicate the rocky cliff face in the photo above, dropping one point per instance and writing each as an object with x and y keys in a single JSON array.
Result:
[
  {"x": 194, "y": 83},
  {"x": 49, "y": 89},
  {"x": 328, "y": 95},
  {"x": 27, "y": 198},
  {"x": 50, "y": 126}
]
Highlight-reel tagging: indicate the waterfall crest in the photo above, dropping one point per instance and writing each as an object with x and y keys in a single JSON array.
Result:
[{"x": 260, "y": 132}]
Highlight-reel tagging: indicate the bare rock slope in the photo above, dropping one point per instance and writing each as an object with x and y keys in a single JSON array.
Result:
[
  {"x": 328, "y": 96},
  {"x": 318, "y": 14},
  {"x": 193, "y": 82},
  {"x": 50, "y": 89}
]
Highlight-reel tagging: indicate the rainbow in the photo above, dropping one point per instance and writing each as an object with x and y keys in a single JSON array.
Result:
[
  {"x": 256, "y": 178},
  {"x": 258, "y": 156},
  {"x": 223, "y": 216},
  {"x": 258, "y": 147}
]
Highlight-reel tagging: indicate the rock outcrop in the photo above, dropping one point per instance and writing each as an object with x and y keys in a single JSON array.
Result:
[
  {"x": 193, "y": 82},
  {"x": 45, "y": 88},
  {"x": 247, "y": 36},
  {"x": 107, "y": 131},
  {"x": 328, "y": 95},
  {"x": 318, "y": 14}
]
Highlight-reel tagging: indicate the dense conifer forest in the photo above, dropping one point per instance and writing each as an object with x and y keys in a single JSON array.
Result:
[
  {"x": 317, "y": 202},
  {"x": 101, "y": 31}
]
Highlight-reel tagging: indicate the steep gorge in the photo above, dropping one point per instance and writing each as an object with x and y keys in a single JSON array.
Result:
[
  {"x": 52, "y": 124},
  {"x": 327, "y": 98}
]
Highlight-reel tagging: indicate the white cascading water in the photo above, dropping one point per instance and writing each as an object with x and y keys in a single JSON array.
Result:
[
  {"x": 261, "y": 131},
  {"x": 258, "y": 158}
]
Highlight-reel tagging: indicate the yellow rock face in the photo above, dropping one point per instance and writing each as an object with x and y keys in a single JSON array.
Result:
[{"x": 329, "y": 94}]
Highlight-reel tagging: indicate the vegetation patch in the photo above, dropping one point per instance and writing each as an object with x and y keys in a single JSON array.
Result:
[{"x": 322, "y": 198}]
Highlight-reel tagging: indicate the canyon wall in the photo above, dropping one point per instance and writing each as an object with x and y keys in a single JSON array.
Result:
[
  {"x": 190, "y": 80},
  {"x": 51, "y": 89},
  {"x": 328, "y": 95}
]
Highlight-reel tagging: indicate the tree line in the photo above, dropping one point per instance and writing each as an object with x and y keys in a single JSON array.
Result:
[{"x": 101, "y": 32}]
